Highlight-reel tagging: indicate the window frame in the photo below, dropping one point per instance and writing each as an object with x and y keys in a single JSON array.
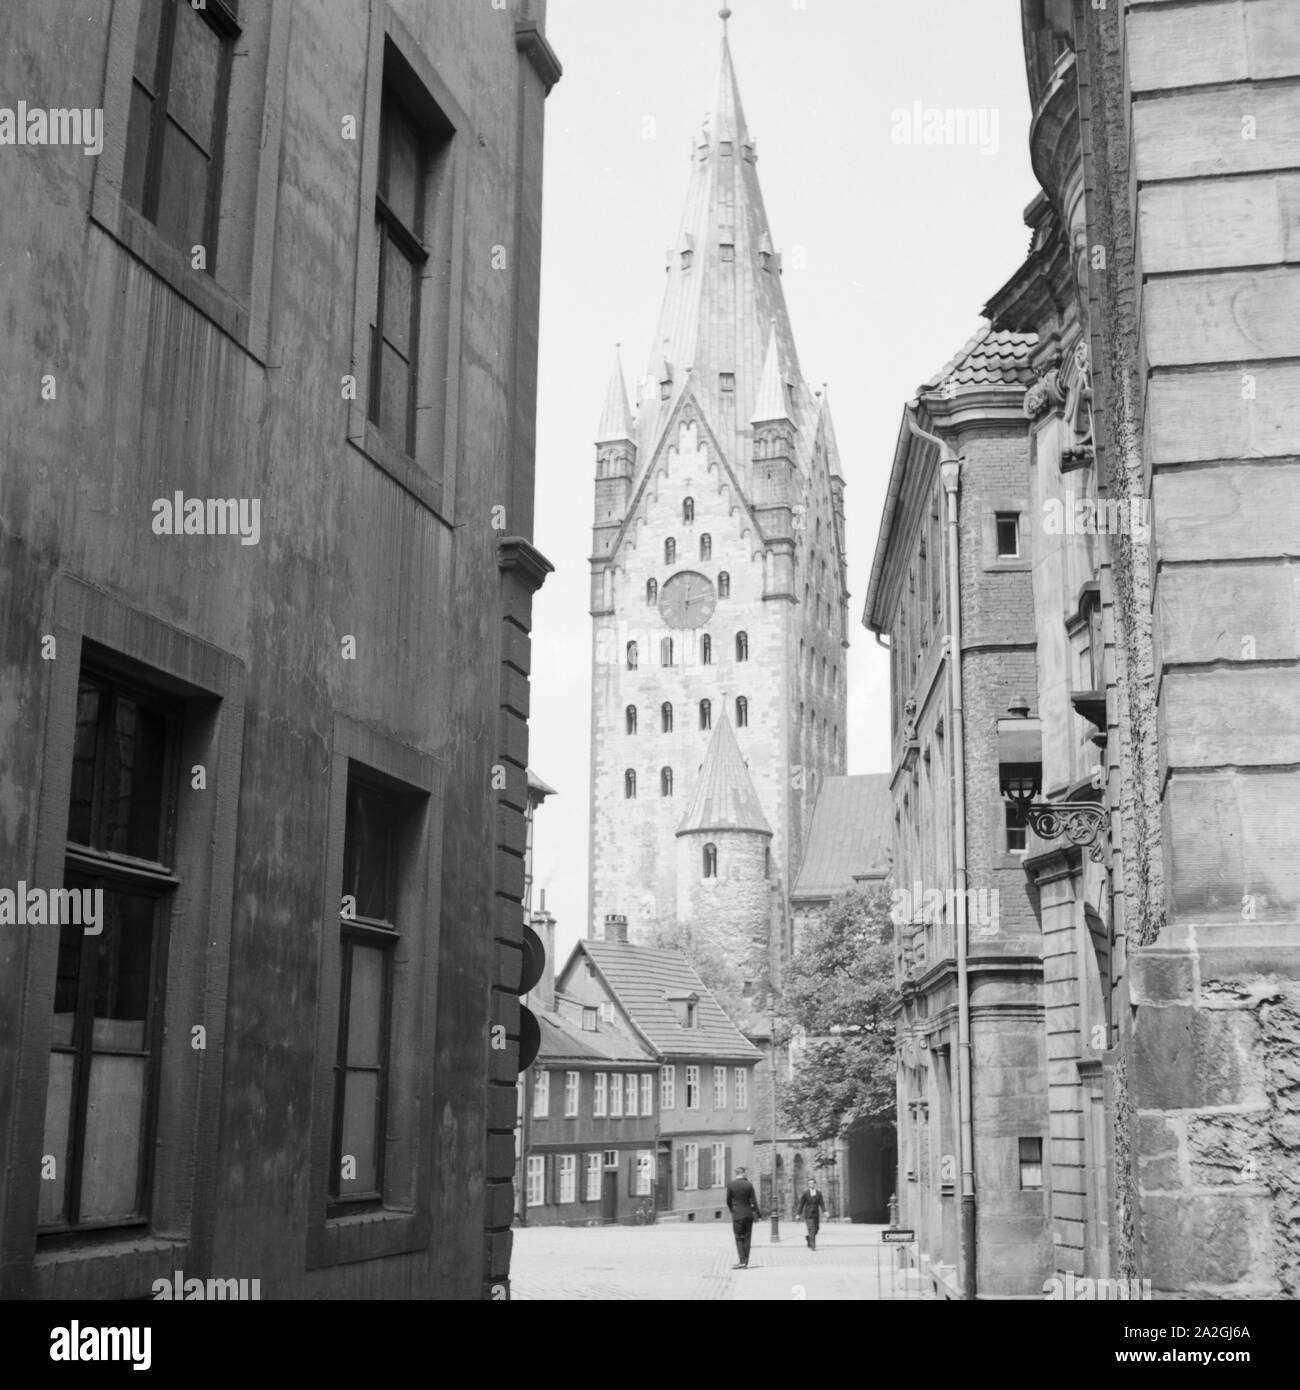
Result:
[
  {"x": 740, "y": 1099},
  {"x": 592, "y": 1170},
  {"x": 600, "y": 1096},
  {"x": 566, "y": 1168},
  {"x": 719, "y": 1088},
  {"x": 535, "y": 1169},
  {"x": 572, "y": 1094},
  {"x": 668, "y": 1086},
  {"x": 647, "y": 1093},
  {"x": 692, "y": 1086},
  {"x": 541, "y": 1103}
]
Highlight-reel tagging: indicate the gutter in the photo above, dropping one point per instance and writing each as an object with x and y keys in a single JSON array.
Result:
[{"x": 950, "y": 475}]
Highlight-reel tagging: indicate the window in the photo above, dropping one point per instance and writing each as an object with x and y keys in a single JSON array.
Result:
[
  {"x": 665, "y": 781},
  {"x": 742, "y": 646},
  {"x": 568, "y": 1177},
  {"x": 690, "y": 1166},
  {"x": 606, "y": 1011},
  {"x": 399, "y": 232},
  {"x": 368, "y": 949},
  {"x": 692, "y": 1088},
  {"x": 629, "y": 784},
  {"x": 644, "y": 1173},
  {"x": 591, "y": 1188},
  {"x": 692, "y": 1019},
  {"x": 600, "y": 1095},
  {"x": 1017, "y": 836},
  {"x": 630, "y": 716},
  {"x": 615, "y": 1096},
  {"x": 536, "y": 1181},
  {"x": 1031, "y": 1164},
  {"x": 727, "y": 381},
  {"x": 710, "y": 861},
  {"x": 589, "y": 1020},
  {"x": 706, "y": 714},
  {"x": 742, "y": 712},
  {"x": 706, "y": 547},
  {"x": 666, "y": 652},
  {"x": 670, "y": 551},
  {"x": 176, "y": 128},
  {"x": 706, "y": 650},
  {"x": 719, "y": 1165},
  {"x": 742, "y": 1088},
  {"x": 724, "y": 584},
  {"x": 541, "y": 1094},
  {"x": 666, "y": 717},
  {"x": 728, "y": 251},
  {"x": 631, "y": 656},
  {"x": 629, "y": 1093},
  {"x": 651, "y": 592},
  {"x": 688, "y": 509},
  {"x": 1008, "y": 531},
  {"x": 570, "y": 1095},
  {"x": 668, "y": 1087},
  {"x": 107, "y": 1033},
  {"x": 719, "y": 1088},
  {"x": 611, "y": 1158},
  {"x": 647, "y": 1093}
]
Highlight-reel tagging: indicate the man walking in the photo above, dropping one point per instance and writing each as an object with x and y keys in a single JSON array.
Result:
[
  {"x": 742, "y": 1203},
  {"x": 811, "y": 1206}
]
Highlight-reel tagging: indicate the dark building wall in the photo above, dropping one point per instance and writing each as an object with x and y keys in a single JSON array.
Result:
[{"x": 231, "y": 385}]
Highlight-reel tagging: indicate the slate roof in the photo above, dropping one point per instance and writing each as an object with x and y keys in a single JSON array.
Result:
[
  {"x": 642, "y": 977},
  {"x": 851, "y": 835},
  {"x": 724, "y": 797},
  {"x": 989, "y": 358},
  {"x": 564, "y": 1040}
]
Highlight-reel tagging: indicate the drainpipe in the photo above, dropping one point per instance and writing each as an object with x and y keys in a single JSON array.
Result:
[{"x": 950, "y": 475}]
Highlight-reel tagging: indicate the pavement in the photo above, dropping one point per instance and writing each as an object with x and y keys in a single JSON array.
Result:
[{"x": 682, "y": 1260}]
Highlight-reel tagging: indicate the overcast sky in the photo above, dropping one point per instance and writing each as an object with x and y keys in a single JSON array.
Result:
[{"x": 890, "y": 248}]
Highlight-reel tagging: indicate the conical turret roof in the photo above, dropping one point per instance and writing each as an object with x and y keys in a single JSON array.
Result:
[
  {"x": 724, "y": 797},
  {"x": 616, "y": 418}
]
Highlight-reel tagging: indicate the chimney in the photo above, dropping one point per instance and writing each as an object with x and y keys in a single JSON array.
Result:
[
  {"x": 616, "y": 927},
  {"x": 543, "y": 993}
]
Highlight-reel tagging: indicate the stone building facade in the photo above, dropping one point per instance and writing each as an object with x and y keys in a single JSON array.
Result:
[
  {"x": 1148, "y": 772},
  {"x": 960, "y": 875},
  {"x": 717, "y": 557},
  {"x": 291, "y": 759}
]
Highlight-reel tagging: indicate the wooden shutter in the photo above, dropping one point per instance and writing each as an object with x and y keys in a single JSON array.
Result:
[
  {"x": 706, "y": 1165},
  {"x": 727, "y": 1169},
  {"x": 631, "y": 1176},
  {"x": 548, "y": 1179},
  {"x": 681, "y": 1165}
]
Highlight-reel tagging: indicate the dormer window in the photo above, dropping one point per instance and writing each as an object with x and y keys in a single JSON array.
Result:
[
  {"x": 728, "y": 250},
  {"x": 589, "y": 1020},
  {"x": 687, "y": 257},
  {"x": 692, "y": 1014},
  {"x": 685, "y": 1005},
  {"x": 727, "y": 381},
  {"x": 725, "y": 146}
]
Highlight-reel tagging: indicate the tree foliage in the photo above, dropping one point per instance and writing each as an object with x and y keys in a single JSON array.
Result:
[{"x": 839, "y": 993}]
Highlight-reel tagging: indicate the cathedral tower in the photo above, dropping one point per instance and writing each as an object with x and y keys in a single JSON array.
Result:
[{"x": 718, "y": 583}]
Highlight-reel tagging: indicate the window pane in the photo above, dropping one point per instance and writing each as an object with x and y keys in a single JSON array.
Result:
[
  {"x": 182, "y": 191},
  {"x": 366, "y": 1009},
  {"x": 122, "y": 954},
  {"x": 83, "y": 763},
  {"x": 138, "y": 128},
  {"x": 146, "y": 44},
  {"x": 402, "y": 174},
  {"x": 58, "y": 1109},
  {"x": 360, "y": 1111},
  {"x": 196, "y": 62},
  {"x": 366, "y": 852},
  {"x": 394, "y": 395},
  {"x": 110, "y": 1172},
  {"x": 399, "y": 282}
]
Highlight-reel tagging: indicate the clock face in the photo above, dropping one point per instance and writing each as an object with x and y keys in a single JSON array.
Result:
[{"x": 687, "y": 600}]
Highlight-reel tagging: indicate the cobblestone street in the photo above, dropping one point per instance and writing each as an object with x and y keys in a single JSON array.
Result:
[{"x": 681, "y": 1260}]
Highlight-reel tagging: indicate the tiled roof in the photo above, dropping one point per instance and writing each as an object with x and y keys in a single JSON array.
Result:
[
  {"x": 641, "y": 979},
  {"x": 724, "y": 797},
  {"x": 851, "y": 835},
  {"x": 563, "y": 1040},
  {"x": 990, "y": 358}
]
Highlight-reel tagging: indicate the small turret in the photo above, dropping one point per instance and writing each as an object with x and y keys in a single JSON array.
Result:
[
  {"x": 775, "y": 472},
  {"x": 615, "y": 463}
]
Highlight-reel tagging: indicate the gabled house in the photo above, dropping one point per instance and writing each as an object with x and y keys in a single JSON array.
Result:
[{"x": 705, "y": 1098}]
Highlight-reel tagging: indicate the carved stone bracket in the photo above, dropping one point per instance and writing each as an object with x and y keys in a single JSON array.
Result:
[
  {"x": 1083, "y": 823},
  {"x": 1044, "y": 395}
]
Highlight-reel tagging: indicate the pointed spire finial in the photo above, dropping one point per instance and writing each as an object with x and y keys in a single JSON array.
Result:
[{"x": 724, "y": 14}]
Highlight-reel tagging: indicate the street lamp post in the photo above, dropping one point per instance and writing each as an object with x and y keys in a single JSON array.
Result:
[{"x": 776, "y": 1220}]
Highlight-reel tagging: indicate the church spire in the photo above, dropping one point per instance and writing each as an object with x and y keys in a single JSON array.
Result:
[
  {"x": 724, "y": 797},
  {"x": 723, "y": 300},
  {"x": 615, "y": 419}
]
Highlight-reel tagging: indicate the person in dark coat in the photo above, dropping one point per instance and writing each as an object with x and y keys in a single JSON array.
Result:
[
  {"x": 742, "y": 1203},
  {"x": 811, "y": 1205}
]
